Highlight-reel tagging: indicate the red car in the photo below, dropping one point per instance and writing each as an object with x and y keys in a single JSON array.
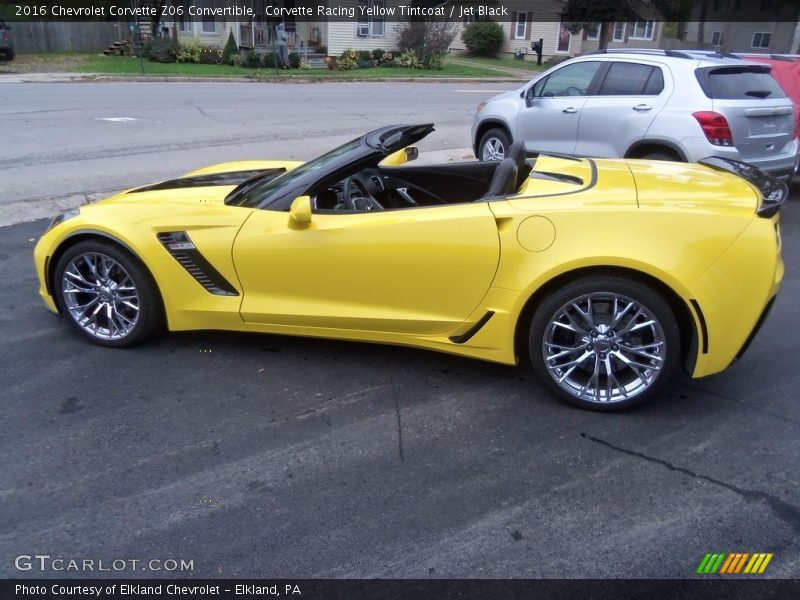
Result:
[{"x": 786, "y": 71}]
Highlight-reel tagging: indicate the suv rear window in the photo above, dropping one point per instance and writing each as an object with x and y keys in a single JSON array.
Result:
[{"x": 738, "y": 83}]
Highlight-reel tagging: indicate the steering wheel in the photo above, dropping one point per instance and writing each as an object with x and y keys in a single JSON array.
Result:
[
  {"x": 574, "y": 91},
  {"x": 356, "y": 196}
]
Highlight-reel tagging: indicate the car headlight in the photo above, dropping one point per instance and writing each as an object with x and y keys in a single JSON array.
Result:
[
  {"x": 67, "y": 214},
  {"x": 481, "y": 106}
]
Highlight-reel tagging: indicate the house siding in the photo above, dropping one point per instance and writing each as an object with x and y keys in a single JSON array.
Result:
[
  {"x": 548, "y": 31},
  {"x": 738, "y": 37}
]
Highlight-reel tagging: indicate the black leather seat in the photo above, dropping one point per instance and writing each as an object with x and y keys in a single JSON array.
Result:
[
  {"x": 517, "y": 152},
  {"x": 504, "y": 180}
]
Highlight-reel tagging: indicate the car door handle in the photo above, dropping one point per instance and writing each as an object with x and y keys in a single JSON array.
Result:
[
  {"x": 570, "y": 110},
  {"x": 642, "y": 107}
]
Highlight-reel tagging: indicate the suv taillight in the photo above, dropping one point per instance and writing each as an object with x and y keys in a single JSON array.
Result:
[
  {"x": 715, "y": 126},
  {"x": 5, "y": 35}
]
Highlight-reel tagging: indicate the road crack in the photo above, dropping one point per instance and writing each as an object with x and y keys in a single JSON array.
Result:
[
  {"x": 399, "y": 422},
  {"x": 788, "y": 513}
]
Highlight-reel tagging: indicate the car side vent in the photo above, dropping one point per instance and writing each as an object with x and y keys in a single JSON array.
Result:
[{"x": 182, "y": 249}]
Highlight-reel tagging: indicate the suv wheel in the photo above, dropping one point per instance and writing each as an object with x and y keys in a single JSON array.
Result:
[{"x": 493, "y": 145}]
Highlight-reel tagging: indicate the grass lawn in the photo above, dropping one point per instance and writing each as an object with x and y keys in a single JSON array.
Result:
[
  {"x": 529, "y": 64},
  {"x": 124, "y": 65}
]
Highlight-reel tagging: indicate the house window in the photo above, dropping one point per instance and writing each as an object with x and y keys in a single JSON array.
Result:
[
  {"x": 209, "y": 23},
  {"x": 521, "y": 26},
  {"x": 596, "y": 34},
  {"x": 642, "y": 30},
  {"x": 371, "y": 26},
  {"x": 761, "y": 39},
  {"x": 716, "y": 38},
  {"x": 619, "y": 32}
]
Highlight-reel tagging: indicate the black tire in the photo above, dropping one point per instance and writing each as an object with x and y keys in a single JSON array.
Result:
[
  {"x": 500, "y": 138},
  {"x": 136, "y": 325},
  {"x": 606, "y": 346},
  {"x": 661, "y": 156}
]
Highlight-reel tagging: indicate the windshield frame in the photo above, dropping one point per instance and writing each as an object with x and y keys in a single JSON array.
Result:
[{"x": 367, "y": 150}]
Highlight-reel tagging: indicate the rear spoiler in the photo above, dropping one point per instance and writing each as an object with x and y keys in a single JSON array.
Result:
[{"x": 773, "y": 191}]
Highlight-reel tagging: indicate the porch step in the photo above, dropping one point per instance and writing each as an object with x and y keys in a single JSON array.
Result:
[
  {"x": 316, "y": 61},
  {"x": 118, "y": 49}
]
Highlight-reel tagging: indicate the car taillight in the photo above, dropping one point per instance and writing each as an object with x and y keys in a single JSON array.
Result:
[
  {"x": 715, "y": 126},
  {"x": 5, "y": 35}
]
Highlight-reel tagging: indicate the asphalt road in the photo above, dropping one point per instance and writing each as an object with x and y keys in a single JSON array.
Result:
[{"x": 269, "y": 456}]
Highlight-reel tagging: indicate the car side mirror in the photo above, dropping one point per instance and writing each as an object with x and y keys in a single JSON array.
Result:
[
  {"x": 395, "y": 159},
  {"x": 530, "y": 99},
  {"x": 300, "y": 212}
]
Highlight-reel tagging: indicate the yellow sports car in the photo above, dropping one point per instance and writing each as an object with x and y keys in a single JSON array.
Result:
[{"x": 607, "y": 274}]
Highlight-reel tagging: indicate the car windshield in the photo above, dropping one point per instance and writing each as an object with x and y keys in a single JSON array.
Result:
[{"x": 253, "y": 193}]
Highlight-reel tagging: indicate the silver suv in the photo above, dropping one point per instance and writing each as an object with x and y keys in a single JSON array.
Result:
[{"x": 655, "y": 104}]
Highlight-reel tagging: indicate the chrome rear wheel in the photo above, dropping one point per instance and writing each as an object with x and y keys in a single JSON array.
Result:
[{"x": 604, "y": 344}]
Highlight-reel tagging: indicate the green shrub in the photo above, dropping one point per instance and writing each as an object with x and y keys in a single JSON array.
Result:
[
  {"x": 231, "y": 49},
  {"x": 294, "y": 60},
  {"x": 189, "y": 51},
  {"x": 211, "y": 55},
  {"x": 409, "y": 60},
  {"x": 434, "y": 61},
  {"x": 377, "y": 54},
  {"x": 483, "y": 38},
  {"x": 426, "y": 39},
  {"x": 348, "y": 60},
  {"x": 160, "y": 50},
  {"x": 270, "y": 60},
  {"x": 237, "y": 60},
  {"x": 252, "y": 60}
]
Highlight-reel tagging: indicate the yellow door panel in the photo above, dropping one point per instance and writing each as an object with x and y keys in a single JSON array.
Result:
[{"x": 420, "y": 271}]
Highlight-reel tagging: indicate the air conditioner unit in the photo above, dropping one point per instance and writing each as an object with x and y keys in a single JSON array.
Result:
[{"x": 363, "y": 30}]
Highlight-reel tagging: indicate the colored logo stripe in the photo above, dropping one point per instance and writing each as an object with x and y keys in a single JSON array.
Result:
[
  {"x": 728, "y": 564},
  {"x": 758, "y": 563}
]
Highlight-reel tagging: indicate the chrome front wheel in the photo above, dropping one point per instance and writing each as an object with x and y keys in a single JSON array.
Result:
[
  {"x": 605, "y": 344},
  {"x": 100, "y": 296},
  {"x": 106, "y": 293}
]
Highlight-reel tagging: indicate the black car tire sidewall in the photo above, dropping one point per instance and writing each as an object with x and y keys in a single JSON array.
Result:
[{"x": 640, "y": 292}]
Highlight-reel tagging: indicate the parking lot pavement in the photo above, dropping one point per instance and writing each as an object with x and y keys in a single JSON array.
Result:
[{"x": 267, "y": 456}]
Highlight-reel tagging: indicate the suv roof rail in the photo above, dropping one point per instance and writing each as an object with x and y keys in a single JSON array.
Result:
[
  {"x": 710, "y": 53},
  {"x": 651, "y": 51}
]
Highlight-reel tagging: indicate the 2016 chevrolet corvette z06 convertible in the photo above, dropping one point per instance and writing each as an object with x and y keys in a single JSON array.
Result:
[{"x": 607, "y": 274}]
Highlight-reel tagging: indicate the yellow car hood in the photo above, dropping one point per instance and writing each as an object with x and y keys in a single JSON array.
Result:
[
  {"x": 204, "y": 186},
  {"x": 672, "y": 185}
]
